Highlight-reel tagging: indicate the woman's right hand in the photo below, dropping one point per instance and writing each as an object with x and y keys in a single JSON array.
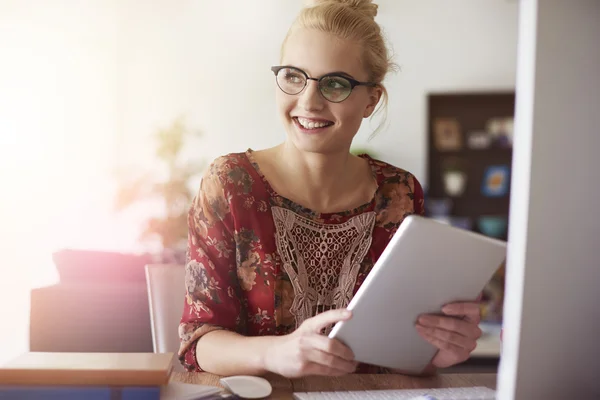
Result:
[{"x": 307, "y": 352}]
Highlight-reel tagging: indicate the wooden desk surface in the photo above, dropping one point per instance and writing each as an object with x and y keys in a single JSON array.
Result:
[{"x": 283, "y": 388}]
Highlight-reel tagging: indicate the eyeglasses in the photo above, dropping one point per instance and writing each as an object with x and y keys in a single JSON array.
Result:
[{"x": 333, "y": 87}]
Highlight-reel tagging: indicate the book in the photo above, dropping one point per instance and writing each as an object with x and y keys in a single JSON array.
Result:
[
  {"x": 88, "y": 369},
  {"x": 171, "y": 391},
  {"x": 78, "y": 393}
]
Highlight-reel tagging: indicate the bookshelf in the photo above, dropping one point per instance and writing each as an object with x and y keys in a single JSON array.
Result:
[{"x": 469, "y": 167}]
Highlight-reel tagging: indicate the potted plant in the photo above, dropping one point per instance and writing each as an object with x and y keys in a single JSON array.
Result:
[
  {"x": 171, "y": 184},
  {"x": 363, "y": 150}
]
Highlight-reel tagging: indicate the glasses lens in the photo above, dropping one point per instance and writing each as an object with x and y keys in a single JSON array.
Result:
[
  {"x": 335, "y": 88},
  {"x": 290, "y": 80}
]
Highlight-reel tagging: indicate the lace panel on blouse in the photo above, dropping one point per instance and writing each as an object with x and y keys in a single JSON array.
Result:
[{"x": 322, "y": 260}]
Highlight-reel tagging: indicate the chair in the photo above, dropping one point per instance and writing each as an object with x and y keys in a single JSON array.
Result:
[{"x": 165, "y": 283}]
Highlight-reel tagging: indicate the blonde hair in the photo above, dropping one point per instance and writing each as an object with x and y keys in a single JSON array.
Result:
[{"x": 351, "y": 20}]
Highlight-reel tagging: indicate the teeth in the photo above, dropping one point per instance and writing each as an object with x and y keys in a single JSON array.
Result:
[{"x": 308, "y": 124}]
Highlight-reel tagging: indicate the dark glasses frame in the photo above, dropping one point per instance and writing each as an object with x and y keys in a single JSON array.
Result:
[{"x": 353, "y": 82}]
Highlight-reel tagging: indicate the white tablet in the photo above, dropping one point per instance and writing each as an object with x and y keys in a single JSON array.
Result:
[{"x": 426, "y": 265}]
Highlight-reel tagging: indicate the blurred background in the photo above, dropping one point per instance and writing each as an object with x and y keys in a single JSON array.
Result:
[{"x": 110, "y": 110}]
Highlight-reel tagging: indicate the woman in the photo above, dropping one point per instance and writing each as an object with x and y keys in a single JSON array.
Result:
[{"x": 280, "y": 239}]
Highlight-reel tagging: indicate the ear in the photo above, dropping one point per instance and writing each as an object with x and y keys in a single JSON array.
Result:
[{"x": 375, "y": 94}]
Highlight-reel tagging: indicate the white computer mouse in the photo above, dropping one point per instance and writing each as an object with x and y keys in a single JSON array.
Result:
[{"x": 247, "y": 387}]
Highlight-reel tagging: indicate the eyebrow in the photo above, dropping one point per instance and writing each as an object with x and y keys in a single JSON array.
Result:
[
  {"x": 328, "y": 73},
  {"x": 340, "y": 73}
]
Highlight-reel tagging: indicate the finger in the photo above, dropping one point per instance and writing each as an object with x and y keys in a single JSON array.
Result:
[
  {"x": 331, "y": 346},
  {"x": 457, "y": 353},
  {"x": 446, "y": 340},
  {"x": 451, "y": 324},
  {"x": 329, "y": 352},
  {"x": 466, "y": 308},
  {"x": 470, "y": 310},
  {"x": 331, "y": 361},
  {"x": 320, "y": 321}
]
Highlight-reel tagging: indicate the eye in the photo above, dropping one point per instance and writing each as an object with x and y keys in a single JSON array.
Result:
[
  {"x": 336, "y": 83},
  {"x": 293, "y": 76}
]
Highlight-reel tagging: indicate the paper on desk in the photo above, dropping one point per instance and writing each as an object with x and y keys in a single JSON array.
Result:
[{"x": 184, "y": 391}]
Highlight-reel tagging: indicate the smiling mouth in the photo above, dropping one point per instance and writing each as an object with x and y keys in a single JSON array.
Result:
[{"x": 311, "y": 124}]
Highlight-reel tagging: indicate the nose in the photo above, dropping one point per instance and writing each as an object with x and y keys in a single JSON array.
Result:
[{"x": 310, "y": 98}]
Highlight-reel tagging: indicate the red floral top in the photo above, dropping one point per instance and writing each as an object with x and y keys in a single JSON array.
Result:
[{"x": 260, "y": 264}]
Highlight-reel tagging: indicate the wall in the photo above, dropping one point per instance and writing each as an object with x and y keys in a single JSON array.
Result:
[
  {"x": 57, "y": 135},
  {"x": 210, "y": 61},
  {"x": 552, "y": 321}
]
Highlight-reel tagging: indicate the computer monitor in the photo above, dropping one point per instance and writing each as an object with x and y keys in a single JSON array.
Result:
[{"x": 551, "y": 347}]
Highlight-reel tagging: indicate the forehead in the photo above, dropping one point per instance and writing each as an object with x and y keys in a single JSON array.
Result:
[{"x": 319, "y": 53}]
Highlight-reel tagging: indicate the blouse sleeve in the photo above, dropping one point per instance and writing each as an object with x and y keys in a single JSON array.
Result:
[
  {"x": 211, "y": 284},
  {"x": 419, "y": 198}
]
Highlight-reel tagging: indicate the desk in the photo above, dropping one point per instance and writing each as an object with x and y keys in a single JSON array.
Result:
[{"x": 283, "y": 388}]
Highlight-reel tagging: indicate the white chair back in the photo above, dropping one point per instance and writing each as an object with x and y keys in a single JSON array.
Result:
[{"x": 166, "y": 290}]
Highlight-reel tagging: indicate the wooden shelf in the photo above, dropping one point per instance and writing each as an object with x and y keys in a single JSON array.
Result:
[{"x": 489, "y": 152}]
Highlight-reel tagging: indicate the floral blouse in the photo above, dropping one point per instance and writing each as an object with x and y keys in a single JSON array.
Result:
[{"x": 260, "y": 264}]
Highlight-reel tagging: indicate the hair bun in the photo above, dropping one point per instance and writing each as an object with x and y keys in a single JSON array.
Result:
[{"x": 365, "y": 7}]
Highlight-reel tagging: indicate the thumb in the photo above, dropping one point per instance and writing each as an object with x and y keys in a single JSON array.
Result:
[{"x": 320, "y": 321}]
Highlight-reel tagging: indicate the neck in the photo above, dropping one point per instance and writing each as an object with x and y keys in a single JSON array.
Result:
[{"x": 322, "y": 177}]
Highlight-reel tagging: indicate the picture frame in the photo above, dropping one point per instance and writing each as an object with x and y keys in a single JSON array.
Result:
[
  {"x": 447, "y": 134},
  {"x": 496, "y": 181}
]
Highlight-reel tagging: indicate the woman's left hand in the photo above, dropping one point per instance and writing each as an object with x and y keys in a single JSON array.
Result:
[{"x": 455, "y": 334}]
